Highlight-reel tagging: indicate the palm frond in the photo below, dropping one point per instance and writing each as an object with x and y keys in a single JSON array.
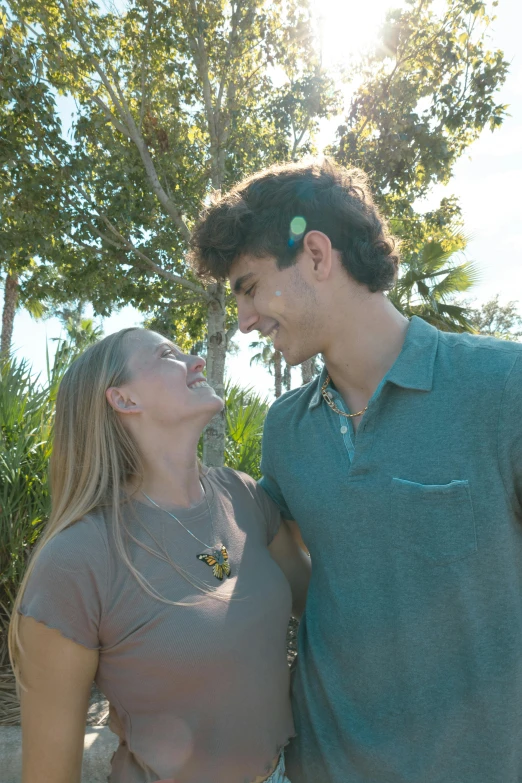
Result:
[
  {"x": 245, "y": 416},
  {"x": 458, "y": 279}
]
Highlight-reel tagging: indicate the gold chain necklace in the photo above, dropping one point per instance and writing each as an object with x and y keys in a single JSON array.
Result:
[{"x": 328, "y": 399}]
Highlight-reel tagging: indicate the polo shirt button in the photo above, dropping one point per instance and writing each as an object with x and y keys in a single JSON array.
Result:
[{"x": 344, "y": 429}]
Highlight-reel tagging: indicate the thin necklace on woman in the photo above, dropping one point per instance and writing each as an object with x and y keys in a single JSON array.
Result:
[{"x": 218, "y": 558}]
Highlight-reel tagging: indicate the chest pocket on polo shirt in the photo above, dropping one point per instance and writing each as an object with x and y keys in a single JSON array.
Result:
[{"x": 433, "y": 521}]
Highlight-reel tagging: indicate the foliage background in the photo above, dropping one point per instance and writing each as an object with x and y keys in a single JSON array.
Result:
[{"x": 420, "y": 99}]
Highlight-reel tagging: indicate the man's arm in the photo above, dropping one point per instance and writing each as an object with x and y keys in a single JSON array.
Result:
[
  {"x": 296, "y": 533},
  {"x": 288, "y": 551}
]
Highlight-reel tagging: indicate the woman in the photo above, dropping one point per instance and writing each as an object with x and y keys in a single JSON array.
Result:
[{"x": 158, "y": 580}]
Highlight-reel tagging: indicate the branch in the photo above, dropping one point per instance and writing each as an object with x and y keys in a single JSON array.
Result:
[
  {"x": 105, "y": 238},
  {"x": 144, "y": 61},
  {"x": 152, "y": 267},
  {"x": 226, "y": 61},
  {"x": 378, "y": 99},
  {"x": 133, "y": 132},
  {"x": 297, "y": 141},
  {"x": 250, "y": 76},
  {"x": 127, "y": 243},
  {"x": 201, "y": 61},
  {"x": 231, "y": 332},
  {"x": 108, "y": 113},
  {"x": 97, "y": 250},
  {"x": 92, "y": 58},
  {"x": 466, "y": 75},
  {"x": 202, "y": 65},
  {"x": 174, "y": 278}
]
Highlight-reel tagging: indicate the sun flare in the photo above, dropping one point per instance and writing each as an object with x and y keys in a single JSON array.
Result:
[{"x": 346, "y": 27}]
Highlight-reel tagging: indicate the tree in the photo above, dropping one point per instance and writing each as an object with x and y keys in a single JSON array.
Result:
[
  {"x": 271, "y": 359},
  {"x": 424, "y": 94},
  {"x": 8, "y": 312},
  {"x": 175, "y": 100},
  {"x": 245, "y": 415},
  {"x": 287, "y": 377},
  {"x": 308, "y": 370},
  {"x": 80, "y": 331},
  {"x": 432, "y": 280},
  {"x": 27, "y": 406},
  {"x": 31, "y": 205},
  {"x": 26, "y": 415},
  {"x": 496, "y": 320}
]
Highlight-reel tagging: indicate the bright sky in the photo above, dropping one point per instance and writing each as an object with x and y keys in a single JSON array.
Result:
[{"x": 486, "y": 182}]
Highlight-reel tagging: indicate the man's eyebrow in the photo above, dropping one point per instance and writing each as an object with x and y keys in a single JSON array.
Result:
[{"x": 238, "y": 285}]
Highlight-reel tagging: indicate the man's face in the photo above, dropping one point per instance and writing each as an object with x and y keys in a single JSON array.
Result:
[{"x": 278, "y": 303}]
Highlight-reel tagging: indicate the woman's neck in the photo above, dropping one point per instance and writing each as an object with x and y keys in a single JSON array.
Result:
[{"x": 171, "y": 476}]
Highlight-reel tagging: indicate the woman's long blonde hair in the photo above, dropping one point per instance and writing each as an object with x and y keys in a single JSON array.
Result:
[{"x": 93, "y": 459}]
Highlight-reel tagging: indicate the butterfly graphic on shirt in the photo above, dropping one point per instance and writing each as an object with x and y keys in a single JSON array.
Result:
[{"x": 218, "y": 561}]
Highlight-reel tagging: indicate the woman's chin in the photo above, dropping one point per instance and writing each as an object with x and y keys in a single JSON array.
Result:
[
  {"x": 220, "y": 404},
  {"x": 214, "y": 402}
]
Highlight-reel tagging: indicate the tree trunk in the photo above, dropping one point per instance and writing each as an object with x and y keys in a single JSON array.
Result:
[
  {"x": 278, "y": 375},
  {"x": 287, "y": 377},
  {"x": 214, "y": 437},
  {"x": 10, "y": 302},
  {"x": 307, "y": 370}
]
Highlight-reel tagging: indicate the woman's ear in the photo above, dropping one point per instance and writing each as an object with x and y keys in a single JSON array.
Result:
[{"x": 121, "y": 402}]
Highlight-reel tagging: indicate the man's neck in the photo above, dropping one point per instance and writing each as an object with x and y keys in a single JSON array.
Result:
[{"x": 364, "y": 347}]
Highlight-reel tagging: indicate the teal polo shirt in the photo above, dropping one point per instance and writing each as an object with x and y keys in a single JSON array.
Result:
[{"x": 410, "y": 648}]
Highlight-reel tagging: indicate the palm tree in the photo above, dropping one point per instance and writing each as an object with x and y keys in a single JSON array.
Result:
[
  {"x": 35, "y": 308},
  {"x": 8, "y": 313},
  {"x": 26, "y": 429},
  {"x": 245, "y": 416},
  {"x": 287, "y": 377},
  {"x": 309, "y": 369},
  {"x": 80, "y": 333},
  {"x": 431, "y": 281},
  {"x": 271, "y": 359}
]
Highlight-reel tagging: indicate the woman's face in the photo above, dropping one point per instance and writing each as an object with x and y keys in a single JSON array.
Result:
[{"x": 166, "y": 386}]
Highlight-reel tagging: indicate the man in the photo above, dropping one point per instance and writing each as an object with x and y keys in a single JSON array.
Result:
[{"x": 402, "y": 465}]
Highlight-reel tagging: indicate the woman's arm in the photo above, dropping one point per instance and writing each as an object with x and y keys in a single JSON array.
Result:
[
  {"x": 57, "y": 674},
  {"x": 288, "y": 551}
]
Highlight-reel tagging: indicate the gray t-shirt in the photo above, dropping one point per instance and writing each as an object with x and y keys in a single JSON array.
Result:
[{"x": 202, "y": 689}]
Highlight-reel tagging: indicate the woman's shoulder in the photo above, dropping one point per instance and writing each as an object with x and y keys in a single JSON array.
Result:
[
  {"x": 68, "y": 584},
  {"x": 82, "y": 541},
  {"x": 232, "y": 480},
  {"x": 240, "y": 485}
]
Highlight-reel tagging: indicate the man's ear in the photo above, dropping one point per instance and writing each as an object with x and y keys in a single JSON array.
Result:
[
  {"x": 121, "y": 402},
  {"x": 319, "y": 248}
]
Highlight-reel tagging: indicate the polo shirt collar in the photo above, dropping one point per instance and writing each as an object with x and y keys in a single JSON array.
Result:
[{"x": 413, "y": 368}]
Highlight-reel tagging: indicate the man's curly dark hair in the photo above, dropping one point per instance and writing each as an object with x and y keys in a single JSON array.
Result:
[{"x": 269, "y": 213}]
